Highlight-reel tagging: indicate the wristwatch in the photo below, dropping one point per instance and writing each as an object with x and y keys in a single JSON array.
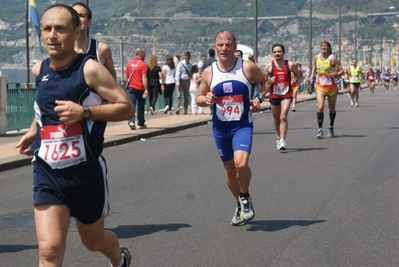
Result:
[
  {"x": 259, "y": 97},
  {"x": 86, "y": 113}
]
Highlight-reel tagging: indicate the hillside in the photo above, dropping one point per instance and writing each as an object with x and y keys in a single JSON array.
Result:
[{"x": 182, "y": 29}]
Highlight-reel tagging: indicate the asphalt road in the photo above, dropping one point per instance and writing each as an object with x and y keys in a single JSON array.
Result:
[{"x": 330, "y": 202}]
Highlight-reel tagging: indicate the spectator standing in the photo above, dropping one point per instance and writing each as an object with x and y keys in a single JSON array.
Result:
[
  {"x": 169, "y": 83},
  {"x": 201, "y": 63},
  {"x": 69, "y": 124},
  {"x": 210, "y": 59},
  {"x": 137, "y": 84},
  {"x": 154, "y": 74},
  {"x": 238, "y": 53},
  {"x": 194, "y": 83},
  {"x": 182, "y": 77}
]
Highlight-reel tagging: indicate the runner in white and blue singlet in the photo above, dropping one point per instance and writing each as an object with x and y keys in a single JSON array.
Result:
[{"x": 226, "y": 85}]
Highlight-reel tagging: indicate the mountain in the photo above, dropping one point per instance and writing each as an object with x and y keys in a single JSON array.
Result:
[{"x": 171, "y": 27}]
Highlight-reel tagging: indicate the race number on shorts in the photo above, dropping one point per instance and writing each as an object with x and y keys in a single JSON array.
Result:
[
  {"x": 325, "y": 80},
  {"x": 280, "y": 89},
  {"x": 62, "y": 146}
]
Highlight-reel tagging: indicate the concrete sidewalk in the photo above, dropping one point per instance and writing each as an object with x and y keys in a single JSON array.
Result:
[{"x": 118, "y": 133}]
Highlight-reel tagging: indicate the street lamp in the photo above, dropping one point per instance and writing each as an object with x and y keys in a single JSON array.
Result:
[
  {"x": 255, "y": 29},
  {"x": 355, "y": 29},
  {"x": 339, "y": 33},
  {"x": 310, "y": 36}
]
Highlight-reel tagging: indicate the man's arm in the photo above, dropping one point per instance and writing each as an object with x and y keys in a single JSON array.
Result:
[
  {"x": 177, "y": 75},
  {"x": 98, "y": 78},
  {"x": 295, "y": 71},
  {"x": 205, "y": 96},
  {"x": 145, "y": 83},
  {"x": 337, "y": 65},
  {"x": 310, "y": 78},
  {"x": 105, "y": 54},
  {"x": 27, "y": 139}
]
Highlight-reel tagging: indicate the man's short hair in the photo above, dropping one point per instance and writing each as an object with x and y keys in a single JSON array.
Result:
[
  {"x": 88, "y": 10},
  {"x": 139, "y": 51},
  {"x": 211, "y": 52},
  {"x": 279, "y": 45},
  {"x": 74, "y": 15},
  {"x": 239, "y": 51}
]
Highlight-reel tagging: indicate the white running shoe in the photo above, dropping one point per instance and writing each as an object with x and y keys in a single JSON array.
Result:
[
  {"x": 237, "y": 220},
  {"x": 282, "y": 145},
  {"x": 247, "y": 208}
]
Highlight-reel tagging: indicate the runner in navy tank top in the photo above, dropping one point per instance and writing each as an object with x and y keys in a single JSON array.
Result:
[
  {"x": 66, "y": 139},
  {"x": 86, "y": 45}
]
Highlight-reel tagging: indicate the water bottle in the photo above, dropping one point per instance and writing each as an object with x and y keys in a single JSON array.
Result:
[{"x": 144, "y": 95}]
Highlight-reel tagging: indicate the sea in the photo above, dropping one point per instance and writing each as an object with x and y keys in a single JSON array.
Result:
[{"x": 17, "y": 75}]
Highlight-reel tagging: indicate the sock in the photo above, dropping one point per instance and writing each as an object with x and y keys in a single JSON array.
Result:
[
  {"x": 239, "y": 205},
  {"x": 244, "y": 195},
  {"x": 332, "y": 119},
  {"x": 320, "y": 118},
  {"x": 123, "y": 262}
]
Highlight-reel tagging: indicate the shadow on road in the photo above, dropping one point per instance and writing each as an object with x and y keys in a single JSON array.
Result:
[
  {"x": 15, "y": 248},
  {"x": 277, "y": 225},
  {"x": 129, "y": 231}
]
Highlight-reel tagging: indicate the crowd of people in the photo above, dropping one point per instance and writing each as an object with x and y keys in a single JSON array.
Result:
[{"x": 66, "y": 136}]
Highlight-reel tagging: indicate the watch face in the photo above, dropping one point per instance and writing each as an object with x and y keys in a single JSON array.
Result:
[{"x": 86, "y": 113}]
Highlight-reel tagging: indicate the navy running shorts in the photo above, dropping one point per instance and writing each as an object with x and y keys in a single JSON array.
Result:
[{"x": 83, "y": 190}]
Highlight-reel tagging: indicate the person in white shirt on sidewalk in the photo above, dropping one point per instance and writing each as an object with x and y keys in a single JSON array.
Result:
[{"x": 182, "y": 77}]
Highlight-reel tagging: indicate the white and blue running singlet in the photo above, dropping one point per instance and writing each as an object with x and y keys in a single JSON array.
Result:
[{"x": 233, "y": 95}]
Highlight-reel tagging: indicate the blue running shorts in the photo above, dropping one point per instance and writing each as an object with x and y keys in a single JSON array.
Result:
[{"x": 230, "y": 140}]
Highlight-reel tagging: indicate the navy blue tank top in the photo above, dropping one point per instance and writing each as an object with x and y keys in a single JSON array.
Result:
[
  {"x": 68, "y": 84},
  {"x": 93, "y": 50}
]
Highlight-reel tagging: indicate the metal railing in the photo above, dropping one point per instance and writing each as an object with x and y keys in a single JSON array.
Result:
[{"x": 19, "y": 105}]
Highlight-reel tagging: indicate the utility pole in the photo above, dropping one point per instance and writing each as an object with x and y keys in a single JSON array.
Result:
[
  {"x": 355, "y": 29},
  {"x": 27, "y": 41},
  {"x": 339, "y": 31},
  {"x": 310, "y": 35},
  {"x": 256, "y": 29}
]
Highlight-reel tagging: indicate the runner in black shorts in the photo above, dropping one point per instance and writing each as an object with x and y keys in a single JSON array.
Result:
[{"x": 66, "y": 139}]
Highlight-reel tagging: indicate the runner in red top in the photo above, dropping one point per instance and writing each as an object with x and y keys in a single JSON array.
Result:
[
  {"x": 371, "y": 80},
  {"x": 279, "y": 70}
]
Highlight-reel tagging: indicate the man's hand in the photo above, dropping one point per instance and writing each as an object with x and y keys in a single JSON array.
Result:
[
  {"x": 254, "y": 105},
  {"x": 25, "y": 142},
  {"x": 69, "y": 112}
]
